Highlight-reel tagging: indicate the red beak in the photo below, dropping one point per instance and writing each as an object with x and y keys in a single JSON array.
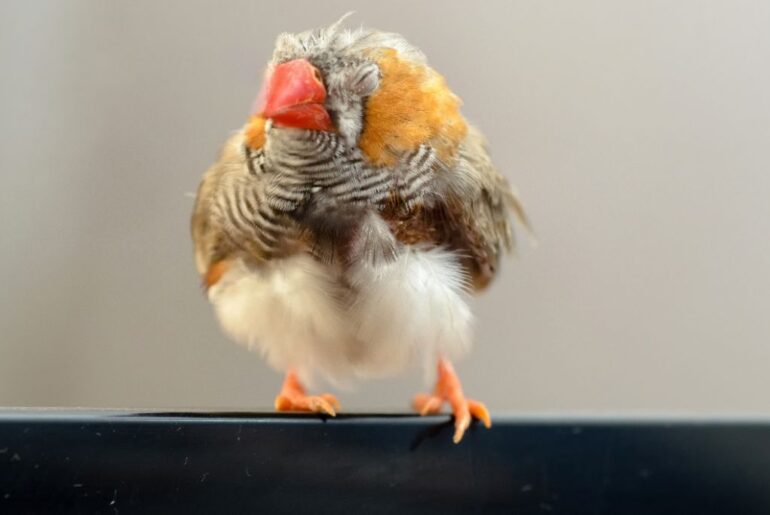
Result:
[{"x": 293, "y": 96}]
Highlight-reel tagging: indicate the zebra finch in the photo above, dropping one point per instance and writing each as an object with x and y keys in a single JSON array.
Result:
[{"x": 343, "y": 228}]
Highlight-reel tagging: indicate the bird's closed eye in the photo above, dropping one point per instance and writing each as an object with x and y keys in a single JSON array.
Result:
[{"x": 365, "y": 80}]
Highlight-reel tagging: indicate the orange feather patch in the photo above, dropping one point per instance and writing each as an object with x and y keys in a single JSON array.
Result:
[
  {"x": 412, "y": 106},
  {"x": 215, "y": 273},
  {"x": 255, "y": 132}
]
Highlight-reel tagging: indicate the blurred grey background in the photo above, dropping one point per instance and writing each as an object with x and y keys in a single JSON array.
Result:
[{"x": 637, "y": 132}]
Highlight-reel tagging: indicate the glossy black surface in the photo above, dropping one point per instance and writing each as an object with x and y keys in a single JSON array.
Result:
[{"x": 118, "y": 462}]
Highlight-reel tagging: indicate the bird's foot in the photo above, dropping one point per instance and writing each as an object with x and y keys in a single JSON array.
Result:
[
  {"x": 463, "y": 409},
  {"x": 325, "y": 403},
  {"x": 294, "y": 398},
  {"x": 448, "y": 389}
]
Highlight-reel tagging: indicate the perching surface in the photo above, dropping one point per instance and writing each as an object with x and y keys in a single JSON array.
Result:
[{"x": 121, "y": 462}]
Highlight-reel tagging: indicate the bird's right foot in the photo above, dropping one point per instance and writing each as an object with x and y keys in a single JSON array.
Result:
[{"x": 294, "y": 398}]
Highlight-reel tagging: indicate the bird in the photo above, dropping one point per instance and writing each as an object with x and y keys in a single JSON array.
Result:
[{"x": 345, "y": 226}]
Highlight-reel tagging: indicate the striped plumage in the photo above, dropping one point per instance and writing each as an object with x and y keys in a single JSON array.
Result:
[{"x": 342, "y": 228}]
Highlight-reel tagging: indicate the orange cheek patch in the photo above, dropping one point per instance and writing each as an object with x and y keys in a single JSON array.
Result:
[
  {"x": 255, "y": 133},
  {"x": 412, "y": 106}
]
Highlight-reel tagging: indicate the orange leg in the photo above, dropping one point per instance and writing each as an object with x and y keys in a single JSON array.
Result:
[
  {"x": 448, "y": 389},
  {"x": 294, "y": 398}
]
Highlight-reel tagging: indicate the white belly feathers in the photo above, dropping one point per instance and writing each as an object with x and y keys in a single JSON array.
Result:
[{"x": 376, "y": 321}]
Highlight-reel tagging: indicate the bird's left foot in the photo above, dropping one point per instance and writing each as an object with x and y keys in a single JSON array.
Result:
[{"x": 448, "y": 389}]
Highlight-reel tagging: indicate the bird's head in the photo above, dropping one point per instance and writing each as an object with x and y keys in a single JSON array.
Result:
[{"x": 373, "y": 89}]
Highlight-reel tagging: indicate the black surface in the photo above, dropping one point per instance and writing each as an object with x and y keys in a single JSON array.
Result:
[{"x": 116, "y": 462}]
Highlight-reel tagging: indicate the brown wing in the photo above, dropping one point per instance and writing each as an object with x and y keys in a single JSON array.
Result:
[
  {"x": 216, "y": 239},
  {"x": 209, "y": 243},
  {"x": 470, "y": 212}
]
